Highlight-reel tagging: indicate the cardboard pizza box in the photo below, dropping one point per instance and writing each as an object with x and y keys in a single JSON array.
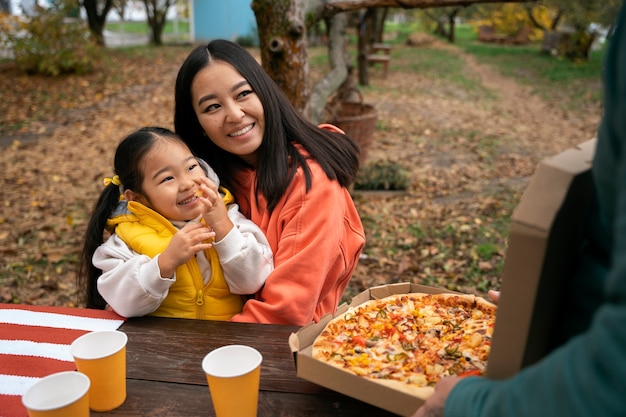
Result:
[
  {"x": 546, "y": 230},
  {"x": 345, "y": 382}
]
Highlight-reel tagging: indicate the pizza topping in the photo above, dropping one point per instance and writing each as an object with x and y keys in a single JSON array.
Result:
[{"x": 413, "y": 339}]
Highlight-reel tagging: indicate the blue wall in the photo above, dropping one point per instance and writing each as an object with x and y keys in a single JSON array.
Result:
[{"x": 228, "y": 19}]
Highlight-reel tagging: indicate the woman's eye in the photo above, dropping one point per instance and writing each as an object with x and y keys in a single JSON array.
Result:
[
  {"x": 211, "y": 107},
  {"x": 245, "y": 93}
]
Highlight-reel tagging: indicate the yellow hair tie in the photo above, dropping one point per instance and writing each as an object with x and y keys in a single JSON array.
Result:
[{"x": 115, "y": 181}]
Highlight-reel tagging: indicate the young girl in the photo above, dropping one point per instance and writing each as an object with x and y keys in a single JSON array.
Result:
[
  {"x": 289, "y": 177},
  {"x": 179, "y": 247}
]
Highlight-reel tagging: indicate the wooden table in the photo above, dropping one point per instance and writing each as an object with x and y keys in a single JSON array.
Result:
[{"x": 165, "y": 377}]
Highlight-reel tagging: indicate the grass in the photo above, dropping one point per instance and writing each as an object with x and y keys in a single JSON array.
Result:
[
  {"x": 140, "y": 28},
  {"x": 575, "y": 83}
]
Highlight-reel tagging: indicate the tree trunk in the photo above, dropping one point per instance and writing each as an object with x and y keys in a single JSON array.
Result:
[
  {"x": 96, "y": 19},
  {"x": 367, "y": 32},
  {"x": 381, "y": 16},
  {"x": 452, "y": 23},
  {"x": 156, "y": 34},
  {"x": 339, "y": 64},
  {"x": 282, "y": 41},
  {"x": 156, "y": 12}
]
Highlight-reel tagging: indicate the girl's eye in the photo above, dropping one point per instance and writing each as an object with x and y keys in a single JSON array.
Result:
[
  {"x": 170, "y": 178},
  {"x": 193, "y": 166}
]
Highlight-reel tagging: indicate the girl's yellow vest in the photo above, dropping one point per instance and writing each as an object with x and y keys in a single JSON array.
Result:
[{"x": 149, "y": 233}]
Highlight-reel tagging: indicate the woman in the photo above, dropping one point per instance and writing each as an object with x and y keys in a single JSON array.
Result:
[{"x": 288, "y": 176}]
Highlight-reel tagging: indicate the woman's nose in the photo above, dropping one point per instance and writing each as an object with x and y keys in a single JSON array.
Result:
[{"x": 235, "y": 113}]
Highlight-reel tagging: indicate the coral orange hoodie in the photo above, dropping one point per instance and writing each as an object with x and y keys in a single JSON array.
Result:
[{"x": 317, "y": 238}]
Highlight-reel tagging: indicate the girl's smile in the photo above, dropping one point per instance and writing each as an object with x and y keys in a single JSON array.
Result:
[{"x": 168, "y": 185}]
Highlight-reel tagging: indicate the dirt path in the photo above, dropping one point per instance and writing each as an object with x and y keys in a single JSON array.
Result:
[
  {"x": 539, "y": 118},
  {"x": 471, "y": 153}
]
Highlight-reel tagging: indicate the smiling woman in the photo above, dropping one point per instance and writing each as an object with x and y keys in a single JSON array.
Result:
[{"x": 289, "y": 176}]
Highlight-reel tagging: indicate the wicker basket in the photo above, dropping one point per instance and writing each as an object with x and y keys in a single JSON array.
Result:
[{"x": 357, "y": 119}]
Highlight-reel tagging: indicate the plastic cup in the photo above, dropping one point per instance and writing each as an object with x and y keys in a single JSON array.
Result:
[
  {"x": 58, "y": 395},
  {"x": 233, "y": 373},
  {"x": 101, "y": 355}
]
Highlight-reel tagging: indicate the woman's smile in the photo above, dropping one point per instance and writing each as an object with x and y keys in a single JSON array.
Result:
[{"x": 242, "y": 131}]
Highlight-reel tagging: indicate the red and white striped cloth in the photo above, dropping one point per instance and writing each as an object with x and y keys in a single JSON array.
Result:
[{"x": 35, "y": 342}]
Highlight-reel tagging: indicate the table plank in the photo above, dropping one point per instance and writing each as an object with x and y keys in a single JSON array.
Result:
[
  {"x": 171, "y": 350},
  {"x": 163, "y": 399}
]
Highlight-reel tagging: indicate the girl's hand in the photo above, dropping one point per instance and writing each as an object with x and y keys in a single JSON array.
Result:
[
  {"x": 215, "y": 213},
  {"x": 189, "y": 240},
  {"x": 207, "y": 191}
]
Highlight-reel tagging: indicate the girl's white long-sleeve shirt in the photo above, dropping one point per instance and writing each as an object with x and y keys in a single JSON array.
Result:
[{"x": 132, "y": 285}]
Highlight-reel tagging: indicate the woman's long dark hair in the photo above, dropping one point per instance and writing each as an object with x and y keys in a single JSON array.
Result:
[
  {"x": 337, "y": 154},
  {"x": 128, "y": 156}
]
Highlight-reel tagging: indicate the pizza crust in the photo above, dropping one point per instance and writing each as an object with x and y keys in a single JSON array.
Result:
[
  {"x": 420, "y": 392},
  {"x": 486, "y": 306}
]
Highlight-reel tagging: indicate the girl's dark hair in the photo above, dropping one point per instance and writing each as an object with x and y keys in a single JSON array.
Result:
[
  {"x": 336, "y": 153},
  {"x": 127, "y": 166}
]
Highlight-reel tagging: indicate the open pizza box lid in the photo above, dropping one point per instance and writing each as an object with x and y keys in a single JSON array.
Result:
[
  {"x": 546, "y": 230},
  {"x": 345, "y": 382}
]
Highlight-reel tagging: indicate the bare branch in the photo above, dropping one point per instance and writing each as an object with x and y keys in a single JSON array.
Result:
[
  {"x": 337, "y": 6},
  {"x": 329, "y": 84}
]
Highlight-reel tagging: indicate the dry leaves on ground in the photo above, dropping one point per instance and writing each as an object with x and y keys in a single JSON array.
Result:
[{"x": 469, "y": 160}]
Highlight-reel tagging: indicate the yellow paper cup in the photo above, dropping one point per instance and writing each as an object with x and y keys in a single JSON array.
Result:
[
  {"x": 61, "y": 394},
  {"x": 233, "y": 373},
  {"x": 101, "y": 355}
]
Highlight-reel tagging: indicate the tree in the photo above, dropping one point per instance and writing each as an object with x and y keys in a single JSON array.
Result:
[
  {"x": 445, "y": 19},
  {"x": 367, "y": 30},
  {"x": 97, "y": 11},
  {"x": 156, "y": 11},
  {"x": 120, "y": 8},
  {"x": 48, "y": 42},
  {"x": 572, "y": 32},
  {"x": 283, "y": 24},
  {"x": 579, "y": 15}
]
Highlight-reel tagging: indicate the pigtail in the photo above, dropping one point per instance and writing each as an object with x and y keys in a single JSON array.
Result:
[
  {"x": 127, "y": 166},
  {"x": 94, "y": 236}
]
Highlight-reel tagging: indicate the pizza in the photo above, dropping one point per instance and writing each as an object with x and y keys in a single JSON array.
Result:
[{"x": 410, "y": 341}]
